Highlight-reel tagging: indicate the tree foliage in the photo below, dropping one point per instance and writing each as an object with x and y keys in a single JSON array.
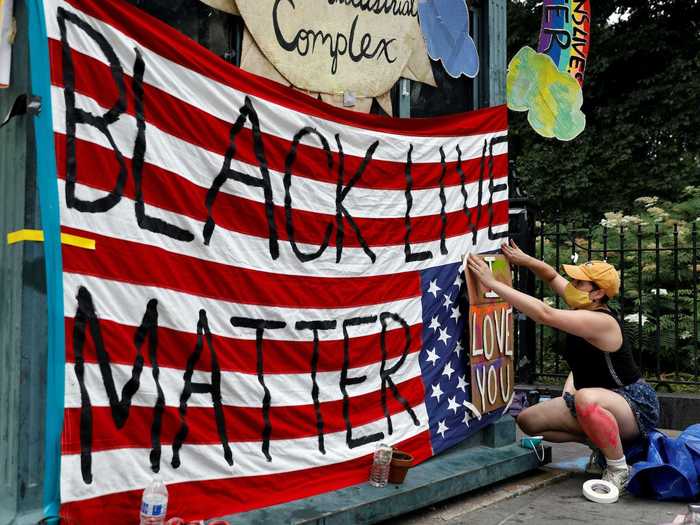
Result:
[
  {"x": 642, "y": 105},
  {"x": 655, "y": 248}
]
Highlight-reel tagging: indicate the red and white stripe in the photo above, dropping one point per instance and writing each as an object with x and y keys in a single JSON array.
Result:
[{"x": 191, "y": 100}]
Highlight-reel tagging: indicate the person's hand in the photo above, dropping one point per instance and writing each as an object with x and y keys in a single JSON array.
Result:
[
  {"x": 515, "y": 255},
  {"x": 481, "y": 271}
]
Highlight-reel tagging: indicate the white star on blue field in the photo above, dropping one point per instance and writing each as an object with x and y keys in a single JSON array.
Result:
[{"x": 444, "y": 359}]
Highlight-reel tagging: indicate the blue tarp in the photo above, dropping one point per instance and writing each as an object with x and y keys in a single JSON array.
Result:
[{"x": 666, "y": 468}]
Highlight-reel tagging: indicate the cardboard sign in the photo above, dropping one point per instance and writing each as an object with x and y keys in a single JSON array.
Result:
[
  {"x": 334, "y": 46},
  {"x": 478, "y": 294},
  {"x": 552, "y": 98},
  {"x": 491, "y": 355},
  {"x": 445, "y": 25}
]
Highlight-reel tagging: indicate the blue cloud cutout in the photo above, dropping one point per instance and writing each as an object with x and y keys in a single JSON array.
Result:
[{"x": 445, "y": 26}]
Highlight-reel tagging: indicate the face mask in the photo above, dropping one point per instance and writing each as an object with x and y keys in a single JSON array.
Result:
[{"x": 577, "y": 299}]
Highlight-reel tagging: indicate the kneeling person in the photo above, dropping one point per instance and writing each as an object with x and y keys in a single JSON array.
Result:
[{"x": 605, "y": 399}]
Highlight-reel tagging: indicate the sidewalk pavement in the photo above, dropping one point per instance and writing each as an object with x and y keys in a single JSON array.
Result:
[{"x": 548, "y": 496}]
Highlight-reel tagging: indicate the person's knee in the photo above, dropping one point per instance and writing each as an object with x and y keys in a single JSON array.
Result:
[
  {"x": 526, "y": 422},
  {"x": 585, "y": 397},
  {"x": 588, "y": 404}
]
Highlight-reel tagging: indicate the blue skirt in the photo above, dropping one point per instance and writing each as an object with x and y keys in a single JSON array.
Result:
[{"x": 641, "y": 398}]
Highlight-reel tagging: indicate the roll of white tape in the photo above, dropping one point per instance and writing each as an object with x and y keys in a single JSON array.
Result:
[{"x": 600, "y": 491}]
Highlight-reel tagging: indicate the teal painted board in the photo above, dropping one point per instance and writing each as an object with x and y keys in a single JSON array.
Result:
[
  {"x": 455, "y": 472},
  {"x": 45, "y": 171},
  {"x": 468, "y": 466}
]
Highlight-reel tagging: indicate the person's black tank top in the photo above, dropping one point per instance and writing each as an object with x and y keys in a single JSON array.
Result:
[{"x": 593, "y": 367}]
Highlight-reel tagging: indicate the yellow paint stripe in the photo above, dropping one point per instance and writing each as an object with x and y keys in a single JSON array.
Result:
[
  {"x": 25, "y": 235},
  {"x": 80, "y": 242},
  {"x": 38, "y": 236}
]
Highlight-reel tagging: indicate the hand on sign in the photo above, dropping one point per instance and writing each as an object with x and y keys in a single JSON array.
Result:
[
  {"x": 481, "y": 271},
  {"x": 514, "y": 254}
]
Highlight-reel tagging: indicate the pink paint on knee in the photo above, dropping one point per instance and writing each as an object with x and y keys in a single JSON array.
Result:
[{"x": 599, "y": 425}]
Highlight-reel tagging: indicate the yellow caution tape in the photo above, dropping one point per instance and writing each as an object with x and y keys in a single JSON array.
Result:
[{"x": 38, "y": 236}]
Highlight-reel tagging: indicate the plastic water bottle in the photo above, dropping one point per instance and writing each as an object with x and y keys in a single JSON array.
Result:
[
  {"x": 154, "y": 504},
  {"x": 379, "y": 474}
]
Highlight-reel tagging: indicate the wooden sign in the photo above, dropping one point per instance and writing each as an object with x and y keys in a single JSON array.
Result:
[
  {"x": 491, "y": 355},
  {"x": 490, "y": 328},
  {"x": 478, "y": 294}
]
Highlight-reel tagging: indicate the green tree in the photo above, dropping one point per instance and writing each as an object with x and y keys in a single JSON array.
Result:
[{"x": 642, "y": 105}]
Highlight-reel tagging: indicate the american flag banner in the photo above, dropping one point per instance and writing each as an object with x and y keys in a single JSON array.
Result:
[{"x": 275, "y": 285}]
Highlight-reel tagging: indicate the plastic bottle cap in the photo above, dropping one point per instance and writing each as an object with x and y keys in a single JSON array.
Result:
[{"x": 600, "y": 491}]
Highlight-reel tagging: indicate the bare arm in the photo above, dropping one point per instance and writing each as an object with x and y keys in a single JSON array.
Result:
[
  {"x": 600, "y": 329},
  {"x": 540, "y": 268}
]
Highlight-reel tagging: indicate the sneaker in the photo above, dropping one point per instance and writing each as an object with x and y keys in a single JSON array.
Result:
[
  {"x": 619, "y": 478},
  {"x": 594, "y": 462}
]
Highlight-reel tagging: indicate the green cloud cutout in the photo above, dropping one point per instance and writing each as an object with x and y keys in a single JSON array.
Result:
[{"x": 551, "y": 97}]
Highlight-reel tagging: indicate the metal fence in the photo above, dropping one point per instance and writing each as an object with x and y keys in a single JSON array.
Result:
[{"x": 658, "y": 301}]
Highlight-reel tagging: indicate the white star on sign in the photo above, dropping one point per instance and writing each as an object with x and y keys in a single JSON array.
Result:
[
  {"x": 466, "y": 418},
  {"x": 434, "y": 323},
  {"x": 448, "y": 301},
  {"x": 432, "y": 356},
  {"x": 458, "y": 348},
  {"x": 437, "y": 392},
  {"x": 448, "y": 370},
  {"x": 442, "y": 428},
  {"x": 458, "y": 281},
  {"x": 444, "y": 336},
  {"x": 461, "y": 384},
  {"x": 434, "y": 288},
  {"x": 456, "y": 314},
  {"x": 453, "y": 405}
]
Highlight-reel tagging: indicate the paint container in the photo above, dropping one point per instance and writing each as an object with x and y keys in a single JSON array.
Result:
[
  {"x": 532, "y": 442},
  {"x": 693, "y": 515}
]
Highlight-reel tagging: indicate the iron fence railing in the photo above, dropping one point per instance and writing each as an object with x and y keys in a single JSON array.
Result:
[{"x": 658, "y": 300}]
